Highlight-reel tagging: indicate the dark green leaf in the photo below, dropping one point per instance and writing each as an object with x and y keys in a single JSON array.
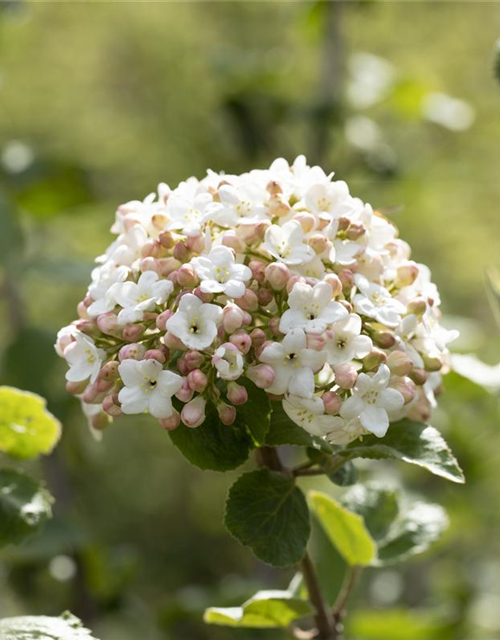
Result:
[
  {"x": 266, "y": 609},
  {"x": 376, "y": 503},
  {"x": 411, "y": 442},
  {"x": 345, "y": 476},
  {"x": 267, "y": 512},
  {"x": 65, "y": 627},
  {"x": 285, "y": 431},
  {"x": 26, "y": 427},
  {"x": 24, "y": 506},
  {"x": 256, "y": 412},
  {"x": 213, "y": 445},
  {"x": 346, "y": 530}
]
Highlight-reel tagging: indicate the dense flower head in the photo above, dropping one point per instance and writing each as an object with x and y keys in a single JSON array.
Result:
[{"x": 278, "y": 278}]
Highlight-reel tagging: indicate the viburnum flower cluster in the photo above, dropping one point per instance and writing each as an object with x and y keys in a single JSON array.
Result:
[{"x": 278, "y": 278}]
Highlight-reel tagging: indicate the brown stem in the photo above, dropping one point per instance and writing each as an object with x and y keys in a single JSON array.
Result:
[
  {"x": 324, "y": 621},
  {"x": 339, "y": 607},
  {"x": 305, "y": 470}
]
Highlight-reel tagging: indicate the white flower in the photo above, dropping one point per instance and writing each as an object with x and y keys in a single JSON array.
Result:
[
  {"x": 188, "y": 208},
  {"x": 84, "y": 358},
  {"x": 195, "y": 323},
  {"x": 286, "y": 243},
  {"x": 311, "y": 308},
  {"x": 148, "y": 387},
  {"x": 240, "y": 204},
  {"x": 103, "y": 278},
  {"x": 343, "y": 252},
  {"x": 219, "y": 273},
  {"x": 309, "y": 413},
  {"x": 345, "y": 342},
  {"x": 376, "y": 302},
  {"x": 126, "y": 249},
  {"x": 228, "y": 361},
  {"x": 371, "y": 400},
  {"x": 345, "y": 431},
  {"x": 331, "y": 198},
  {"x": 136, "y": 298},
  {"x": 294, "y": 365}
]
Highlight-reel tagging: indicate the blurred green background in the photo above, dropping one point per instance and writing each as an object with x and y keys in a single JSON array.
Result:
[{"x": 101, "y": 101}]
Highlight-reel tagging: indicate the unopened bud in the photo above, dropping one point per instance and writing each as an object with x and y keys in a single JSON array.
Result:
[
  {"x": 196, "y": 244},
  {"x": 347, "y": 279},
  {"x": 193, "y": 413},
  {"x": 166, "y": 239},
  {"x": 406, "y": 388},
  {"x": 233, "y": 241},
  {"x": 277, "y": 275},
  {"x": 345, "y": 376},
  {"x": 232, "y": 317},
  {"x": 100, "y": 421},
  {"x": 194, "y": 359},
  {"x": 258, "y": 337},
  {"x": 307, "y": 221},
  {"x": 161, "y": 319},
  {"x": 197, "y": 380},
  {"x": 399, "y": 363},
  {"x": 236, "y": 393},
  {"x": 331, "y": 402},
  {"x": 150, "y": 264},
  {"x": 319, "y": 243},
  {"x": 315, "y": 341},
  {"x": 292, "y": 281},
  {"x": 131, "y": 332},
  {"x": 419, "y": 409},
  {"x": 111, "y": 405},
  {"x": 418, "y": 306},
  {"x": 227, "y": 413},
  {"x": 432, "y": 363},
  {"x": 335, "y": 283},
  {"x": 355, "y": 231},
  {"x": 274, "y": 188},
  {"x": 167, "y": 265},
  {"x": 186, "y": 276},
  {"x": 374, "y": 359},
  {"x": 262, "y": 375},
  {"x": 249, "y": 301},
  {"x": 202, "y": 295},
  {"x": 274, "y": 326},
  {"x": 134, "y": 351},
  {"x": 108, "y": 324},
  {"x": 264, "y": 297},
  {"x": 109, "y": 371},
  {"x": 241, "y": 340},
  {"x": 173, "y": 342},
  {"x": 257, "y": 267},
  {"x": 171, "y": 423},
  {"x": 419, "y": 376},
  {"x": 407, "y": 274},
  {"x": 185, "y": 393},
  {"x": 81, "y": 310},
  {"x": 155, "y": 354},
  {"x": 76, "y": 388},
  {"x": 181, "y": 252}
]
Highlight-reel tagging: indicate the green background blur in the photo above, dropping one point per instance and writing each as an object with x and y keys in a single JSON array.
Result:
[{"x": 101, "y": 101}]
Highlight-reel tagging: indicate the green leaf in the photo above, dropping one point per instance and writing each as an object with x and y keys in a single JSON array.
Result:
[
  {"x": 399, "y": 533},
  {"x": 24, "y": 506},
  {"x": 268, "y": 513},
  {"x": 376, "y": 503},
  {"x": 256, "y": 412},
  {"x": 285, "y": 431},
  {"x": 496, "y": 64},
  {"x": 213, "y": 445},
  {"x": 345, "y": 476},
  {"x": 396, "y": 624},
  {"x": 65, "y": 627},
  {"x": 411, "y": 442},
  {"x": 346, "y": 530},
  {"x": 412, "y": 533},
  {"x": 266, "y": 609},
  {"x": 26, "y": 427}
]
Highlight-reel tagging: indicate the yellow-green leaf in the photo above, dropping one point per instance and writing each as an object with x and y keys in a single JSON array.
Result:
[
  {"x": 346, "y": 530},
  {"x": 26, "y": 427}
]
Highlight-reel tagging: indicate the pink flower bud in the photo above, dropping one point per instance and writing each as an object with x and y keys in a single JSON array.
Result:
[
  {"x": 186, "y": 276},
  {"x": 374, "y": 359},
  {"x": 155, "y": 354},
  {"x": 161, "y": 320},
  {"x": 194, "y": 359},
  {"x": 132, "y": 351},
  {"x": 407, "y": 274},
  {"x": 264, "y": 297},
  {"x": 91, "y": 395},
  {"x": 319, "y": 243},
  {"x": 399, "y": 363},
  {"x": 418, "y": 306},
  {"x": 227, "y": 413},
  {"x": 277, "y": 275},
  {"x": 204, "y": 297},
  {"x": 315, "y": 341},
  {"x": 278, "y": 207},
  {"x": 230, "y": 239},
  {"x": 148, "y": 248},
  {"x": 307, "y": 221},
  {"x": 331, "y": 402},
  {"x": 345, "y": 376},
  {"x": 109, "y": 371},
  {"x": 193, "y": 413},
  {"x": 181, "y": 252},
  {"x": 76, "y": 388},
  {"x": 131, "y": 332},
  {"x": 150, "y": 264},
  {"x": 81, "y": 310},
  {"x": 406, "y": 388},
  {"x": 166, "y": 239},
  {"x": 108, "y": 324},
  {"x": 274, "y": 326},
  {"x": 384, "y": 338},
  {"x": 171, "y": 423},
  {"x": 88, "y": 327},
  {"x": 185, "y": 393},
  {"x": 241, "y": 340},
  {"x": 258, "y": 337},
  {"x": 167, "y": 265},
  {"x": 262, "y": 375},
  {"x": 355, "y": 231},
  {"x": 335, "y": 283},
  {"x": 182, "y": 366},
  {"x": 232, "y": 317},
  {"x": 173, "y": 342},
  {"x": 249, "y": 301},
  {"x": 257, "y": 267},
  {"x": 236, "y": 393},
  {"x": 195, "y": 244},
  {"x": 419, "y": 409},
  {"x": 111, "y": 405},
  {"x": 197, "y": 380},
  {"x": 274, "y": 188},
  {"x": 347, "y": 279}
]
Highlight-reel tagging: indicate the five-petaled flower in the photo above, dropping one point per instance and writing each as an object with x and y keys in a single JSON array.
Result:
[
  {"x": 195, "y": 322},
  {"x": 219, "y": 273},
  {"x": 136, "y": 298},
  {"x": 84, "y": 358},
  {"x": 311, "y": 308},
  {"x": 286, "y": 243}
]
